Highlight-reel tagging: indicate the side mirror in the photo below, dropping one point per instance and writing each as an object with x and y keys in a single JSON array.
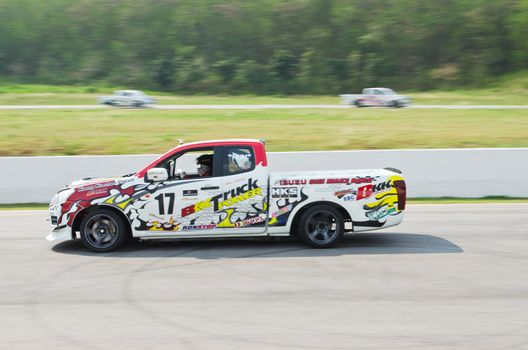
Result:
[{"x": 157, "y": 175}]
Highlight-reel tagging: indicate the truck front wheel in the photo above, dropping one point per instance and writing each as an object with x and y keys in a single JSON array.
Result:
[
  {"x": 321, "y": 226},
  {"x": 103, "y": 231}
]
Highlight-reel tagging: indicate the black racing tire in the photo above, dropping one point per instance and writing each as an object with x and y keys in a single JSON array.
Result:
[
  {"x": 358, "y": 104},
  {"x": 103, "y": 231},
  {"x": 138, "y": 104},
  {"x": 321, "y": 226},
  {"x": 393, "y": 104}
]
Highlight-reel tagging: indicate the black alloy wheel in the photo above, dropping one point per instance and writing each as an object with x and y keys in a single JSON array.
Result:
[
  {"x": 321, "y": 226},
  {"x": 103, "y": 231}
]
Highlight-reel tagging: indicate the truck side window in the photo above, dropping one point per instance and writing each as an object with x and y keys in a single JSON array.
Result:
[
  {"x": 196, "y": 163},
  {"x": 238, "y": 159}
]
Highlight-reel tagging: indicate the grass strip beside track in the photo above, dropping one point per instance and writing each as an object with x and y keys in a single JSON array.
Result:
[
  {"x": 410, "y": 201},
  {"x": 508, "y": 90},
  {"x": 132, "y": 131},
  {"x": 429, "y": 98}
]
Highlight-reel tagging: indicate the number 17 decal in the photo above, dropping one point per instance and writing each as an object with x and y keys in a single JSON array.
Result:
[{"x": 161, "y": 203}]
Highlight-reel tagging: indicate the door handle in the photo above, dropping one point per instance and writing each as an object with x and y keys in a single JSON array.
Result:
[{"x": 210, "y": 188}]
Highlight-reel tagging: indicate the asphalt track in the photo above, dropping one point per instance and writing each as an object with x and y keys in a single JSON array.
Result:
[
  {"x": 266, "y": 106},
  {"x": 449, "y": 277}
]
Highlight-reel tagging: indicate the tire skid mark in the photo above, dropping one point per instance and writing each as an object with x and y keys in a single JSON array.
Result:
[
  {"x": 199, "y": 331},
  {"x": 34, "y": 310},
  {"x": 126, "y": 288}
]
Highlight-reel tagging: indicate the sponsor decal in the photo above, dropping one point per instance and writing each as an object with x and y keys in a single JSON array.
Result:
[
  {"x": 284, "y": 192},
  {"x": 349, "y": 197},
  {"x": 187, "y": 193},
  {"x": 330, "y": 181},
  {"x": 282, "y": 210},
  {"x": 316, "y": 181},
  {"x": 100, "y": 191},
  {"x": 96, "y": 186},
  {"x": 198, "y": 227},
  {"x": 295, "y": 182},
  {"x": 341, "y": 194},
  {"x": 380, "y": 214},
  {"x": 361, "y": 180},
  {"x": 218, "y": 205},
  {"x": 249, "y": 222},
  {"x": 226, "y": 199},
  {"x": 349, "y": 181},
  {"x": 367, "y": 190}
]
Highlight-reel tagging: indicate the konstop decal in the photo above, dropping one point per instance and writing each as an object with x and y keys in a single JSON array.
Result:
[{"x": 198, "y": 227}]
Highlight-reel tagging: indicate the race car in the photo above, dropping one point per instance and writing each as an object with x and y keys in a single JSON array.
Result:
[
  {"x": 225, "y": 189},
  {"x": 376, "y": 97},
  {"x": 130, "y": 98}
]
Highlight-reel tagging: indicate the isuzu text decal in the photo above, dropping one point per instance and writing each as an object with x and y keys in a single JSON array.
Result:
[{"x": 329, "y": 181}]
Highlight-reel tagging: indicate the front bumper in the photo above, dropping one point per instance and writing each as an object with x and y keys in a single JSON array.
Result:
[{"x": 60, "y": 234}]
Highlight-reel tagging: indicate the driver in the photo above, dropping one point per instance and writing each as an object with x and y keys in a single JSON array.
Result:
[{"x": 205, "y": 165}]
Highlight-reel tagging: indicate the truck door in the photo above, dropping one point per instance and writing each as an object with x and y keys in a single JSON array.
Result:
[
  {"x": 377, "y": 98},
  {"x": 243, "y": 204},
  {"x": 183, "y": 206}
]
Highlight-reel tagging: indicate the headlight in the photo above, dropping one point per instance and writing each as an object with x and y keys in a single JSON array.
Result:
[
  {"x": 61, "y": 197},
  {"x": 55, "y": 207}
]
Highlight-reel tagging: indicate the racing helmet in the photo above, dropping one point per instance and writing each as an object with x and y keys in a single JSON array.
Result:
[{"x": 205, "y": 164}]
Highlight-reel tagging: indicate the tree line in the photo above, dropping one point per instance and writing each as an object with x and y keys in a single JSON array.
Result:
[{"x": 263, "y": 46}]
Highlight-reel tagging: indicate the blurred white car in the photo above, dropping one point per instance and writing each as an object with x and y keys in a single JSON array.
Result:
[
  {"x": 133, "y": 98},
  {"x": 376, "y": 97}
]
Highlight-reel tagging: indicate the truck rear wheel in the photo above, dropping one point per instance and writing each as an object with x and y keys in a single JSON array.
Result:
[
  {"x": 103, "y": 231},
  {"x": 321, "y": 226}
]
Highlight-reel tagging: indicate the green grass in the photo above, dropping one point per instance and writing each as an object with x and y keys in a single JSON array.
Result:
[
  {"x": 52, "y": 98},
  {"x": 24, "y": 206},
  {"x": 130, "y": 131},
  {"x": 484, "y": 97},
  {"x": 507, "y": 90},
  {"x": 71, "y": 95},
  {"x": 410, "y": 201}
]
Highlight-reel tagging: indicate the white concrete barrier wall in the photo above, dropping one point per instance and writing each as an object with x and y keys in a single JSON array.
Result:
[{"x": 429, "y": 173}]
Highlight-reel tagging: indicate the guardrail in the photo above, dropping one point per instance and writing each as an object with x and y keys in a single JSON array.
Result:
[{"x": 465, "y": 173}]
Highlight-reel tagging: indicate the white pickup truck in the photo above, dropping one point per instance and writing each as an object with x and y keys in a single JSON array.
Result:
[
  {"x": 376, "y": 97},
  {"x": 236, "y": 197}
]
